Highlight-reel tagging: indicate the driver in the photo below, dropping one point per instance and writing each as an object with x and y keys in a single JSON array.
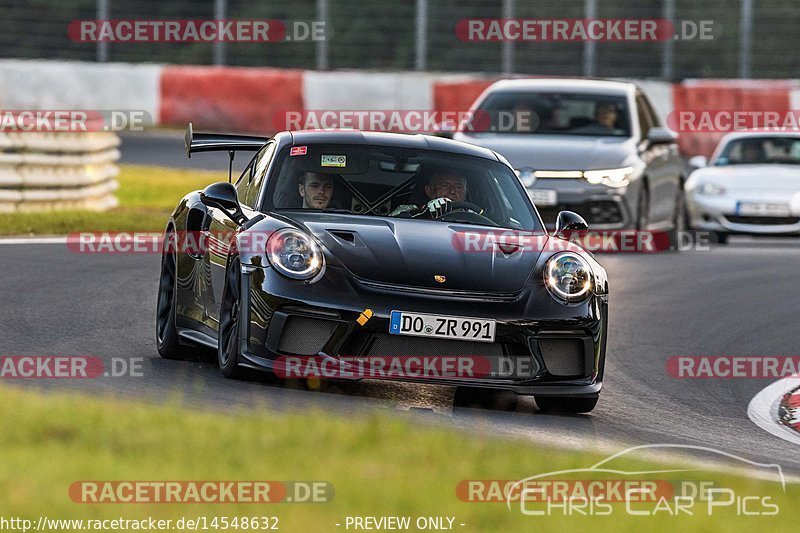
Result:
[
  {"x": 605, "y": 116},
  {"x": 443, "y": 188},
  {"x": 316, "y": 190},
  {"x": 753, "y": 152}
]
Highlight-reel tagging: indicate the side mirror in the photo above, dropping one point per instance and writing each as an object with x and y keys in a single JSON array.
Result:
[
  {"x": 223, "y": 196},
  {"x": 698, "y": 161},
  {"x": 659, "y": 135},
  {"x": 569, "y": 221}
]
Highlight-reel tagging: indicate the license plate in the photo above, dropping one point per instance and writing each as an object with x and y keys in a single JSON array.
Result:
[
  {"x": 444, "y": 327},
  {"x": 763, "y": 209},
  {"x": 543, "y": 196}
]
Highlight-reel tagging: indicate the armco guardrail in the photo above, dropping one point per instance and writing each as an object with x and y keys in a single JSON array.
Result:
[{"x": 48, "y": 171}]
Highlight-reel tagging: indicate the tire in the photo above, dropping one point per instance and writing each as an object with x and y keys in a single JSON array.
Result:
[
  {"x": 566, "y": 404},
  {"x": 642, "y": 208},
  {"x": 228, "y": 346},
  {"x": 678, "y": 223},
  {"x": 167, "y": 341}
]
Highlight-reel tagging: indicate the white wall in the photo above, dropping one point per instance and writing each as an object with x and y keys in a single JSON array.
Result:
[{"x": 26, "y": 84}]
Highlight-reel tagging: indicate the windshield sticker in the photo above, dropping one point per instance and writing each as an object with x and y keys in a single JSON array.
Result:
[
  {"x": 334, "y": 161},
  {"x": 298, "y": 150}
]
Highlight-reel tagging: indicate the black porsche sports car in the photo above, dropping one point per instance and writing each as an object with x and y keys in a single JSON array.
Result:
[{"x": 344, "y": 247}]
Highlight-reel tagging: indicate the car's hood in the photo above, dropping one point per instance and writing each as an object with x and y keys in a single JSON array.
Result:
[
  {"x": 751, "y": 177},
  {"x": 556, "y": 152},
  {"x": 411, "y": 252}
]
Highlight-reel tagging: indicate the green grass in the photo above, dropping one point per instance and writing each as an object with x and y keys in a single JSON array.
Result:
[
  {"x": 380, "y": 464},
  {"x": 147, "y": 196}
]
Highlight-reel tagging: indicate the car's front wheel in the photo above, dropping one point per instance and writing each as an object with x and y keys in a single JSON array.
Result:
[
  {"x": 566, "y": 404},
  {"x": 167, "y": 342},
  {"x": 228, "y": 345},
  {"x": 678, "y": 223},
  {"x": 642, "y": 209}
]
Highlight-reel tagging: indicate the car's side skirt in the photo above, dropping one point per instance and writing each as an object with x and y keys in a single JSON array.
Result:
[{"x": 196, "y": 337}]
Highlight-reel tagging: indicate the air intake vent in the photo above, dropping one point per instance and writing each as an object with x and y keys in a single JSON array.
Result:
[
  {"x": 565, "y": 357},
  {"x": 305, "y": 336},
  {"x": 344, "y": 236}
]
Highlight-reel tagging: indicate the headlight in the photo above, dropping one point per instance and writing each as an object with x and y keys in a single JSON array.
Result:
[
  {"x": 568, "y": 277},
  {"x": 614, "y": 177},
  {"x": 294, "y": 254},
  {"x": 710, "y": 188}
]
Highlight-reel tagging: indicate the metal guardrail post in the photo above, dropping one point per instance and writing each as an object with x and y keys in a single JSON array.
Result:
[
  {"x": 668, "y": 51},
  {"x": 745, "y": 36},
  {"x": 589, "y": 47},
  {"x": 220, "y": 9},
  {"x": 508, "y": 46},
  {"x": 322, "y": 62},
  {"x": 102, "y": 46},
  {"x": 420, "y": 61}
]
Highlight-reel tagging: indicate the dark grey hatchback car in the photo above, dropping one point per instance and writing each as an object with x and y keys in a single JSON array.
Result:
[{"x": 594, "y": 147}]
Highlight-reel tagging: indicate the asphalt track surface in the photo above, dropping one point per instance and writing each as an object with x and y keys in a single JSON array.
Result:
[{"x": 741, "y": 299}]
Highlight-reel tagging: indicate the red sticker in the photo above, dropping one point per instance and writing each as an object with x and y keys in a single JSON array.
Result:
[{"x": 298, "y": 150}]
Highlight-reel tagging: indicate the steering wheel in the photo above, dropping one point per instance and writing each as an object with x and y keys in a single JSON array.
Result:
[
  {"x": 472, "y": 211},
  {"x": 464, "y": 206}
]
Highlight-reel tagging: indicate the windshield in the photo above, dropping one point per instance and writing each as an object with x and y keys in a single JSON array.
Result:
[
  {"x": 554, "y": 113},
  {"x": 383, "y": 181},
  {"x": 760, "y": 151}
]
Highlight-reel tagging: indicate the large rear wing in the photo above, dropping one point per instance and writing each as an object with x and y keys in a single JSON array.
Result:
[{"x": 214, "y": 142}]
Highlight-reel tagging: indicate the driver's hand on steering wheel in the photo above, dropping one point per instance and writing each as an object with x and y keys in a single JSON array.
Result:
[{"x": 439, "y": 206}]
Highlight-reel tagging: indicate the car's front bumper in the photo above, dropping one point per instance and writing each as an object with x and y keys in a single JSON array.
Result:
[
  {"x": 603, "y": 208},
  {"x": 563, "y": 345},
  {"x": 719, "y": 214}
]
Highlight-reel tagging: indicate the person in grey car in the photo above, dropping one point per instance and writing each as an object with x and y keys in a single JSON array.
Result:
[{"x": 595, "y": 147}]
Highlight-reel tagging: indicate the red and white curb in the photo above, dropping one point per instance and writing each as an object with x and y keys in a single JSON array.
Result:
[{"x": 776, "y": 409}]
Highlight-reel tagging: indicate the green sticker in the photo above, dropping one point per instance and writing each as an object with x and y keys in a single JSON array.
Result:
[{"x": 334, "y": 161}]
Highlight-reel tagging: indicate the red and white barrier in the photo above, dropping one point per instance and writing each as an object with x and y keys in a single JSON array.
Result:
[
  {"x": 250, "y": 99},
  {"x": 228, "y": 98},
  {"x": 728, "y": 95}
]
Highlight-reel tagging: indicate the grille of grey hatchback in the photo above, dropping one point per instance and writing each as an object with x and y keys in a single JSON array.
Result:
[
  {"x": 305, "y": 336},
  {"x": 564, "y": 357}
]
